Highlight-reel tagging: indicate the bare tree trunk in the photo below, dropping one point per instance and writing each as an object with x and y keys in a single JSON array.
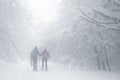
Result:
[
  {"x": 98, "y": 63},
  {"x": 98, "y": 58},
  {"x": 103, "y": 65},
  {"x": 107, "y": 60}
]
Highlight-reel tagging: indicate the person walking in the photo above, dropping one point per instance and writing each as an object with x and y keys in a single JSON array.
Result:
[
  {"x": 45, "y": 55},
  {"x": 34, "y": 58}
]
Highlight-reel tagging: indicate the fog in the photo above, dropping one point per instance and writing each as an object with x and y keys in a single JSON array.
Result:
[{"x": 77, "y": 33}]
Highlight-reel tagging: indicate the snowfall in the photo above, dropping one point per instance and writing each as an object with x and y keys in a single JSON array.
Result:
[
  {"x": 23, "y": 71},
  {"x": 59, "y": 24}
]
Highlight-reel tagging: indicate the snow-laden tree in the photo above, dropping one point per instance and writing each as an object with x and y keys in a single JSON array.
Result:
[
  {"x": 90, "y": 34},
  {"x": 15, "y": 31}
]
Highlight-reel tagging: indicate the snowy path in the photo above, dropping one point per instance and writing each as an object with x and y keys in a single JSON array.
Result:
[{"x": 55, "y": 72}]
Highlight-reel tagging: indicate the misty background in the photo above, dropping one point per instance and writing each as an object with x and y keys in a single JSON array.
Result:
[{"x": 78, "y": 33}]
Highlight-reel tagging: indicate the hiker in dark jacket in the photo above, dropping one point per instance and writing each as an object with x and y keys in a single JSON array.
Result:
[
  {"x": 45, "y": 55},
  {"x": 34, "y": 58}
]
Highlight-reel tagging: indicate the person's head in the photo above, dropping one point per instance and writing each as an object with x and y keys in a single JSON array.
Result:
[
  {"x": 35, "y": 47},
  {"x": 45, "y": 49}
]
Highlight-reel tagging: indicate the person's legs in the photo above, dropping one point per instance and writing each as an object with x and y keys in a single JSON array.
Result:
[
  {"x": 35, "y": 66},
  {"x": 42, "y": 64},
  {"x": 46, "y": 65}
]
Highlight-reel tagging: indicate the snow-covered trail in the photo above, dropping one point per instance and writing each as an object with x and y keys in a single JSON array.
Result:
[{"x": 55, "y": 72}]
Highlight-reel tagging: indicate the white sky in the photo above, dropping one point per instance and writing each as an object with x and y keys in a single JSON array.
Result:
[{"x": 43, "y": 10}]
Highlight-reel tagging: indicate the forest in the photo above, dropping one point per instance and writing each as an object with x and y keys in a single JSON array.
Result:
[{"x": 83, "y": 33}]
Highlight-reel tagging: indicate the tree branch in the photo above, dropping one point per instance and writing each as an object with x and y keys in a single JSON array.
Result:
[{"x": 116, "y": 22}]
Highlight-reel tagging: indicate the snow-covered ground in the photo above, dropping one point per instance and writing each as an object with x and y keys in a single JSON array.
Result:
[{"x": 56, "y": 72}]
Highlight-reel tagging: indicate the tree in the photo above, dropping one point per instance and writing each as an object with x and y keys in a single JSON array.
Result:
[
  {"x": 90, "y": 24},
  {"x": 13, "y": 25}
]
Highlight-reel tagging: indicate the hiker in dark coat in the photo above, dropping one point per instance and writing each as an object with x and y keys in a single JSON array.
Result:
[
  {"x": 34, "y": 58},
  {"x": 45, "y": 55}
]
